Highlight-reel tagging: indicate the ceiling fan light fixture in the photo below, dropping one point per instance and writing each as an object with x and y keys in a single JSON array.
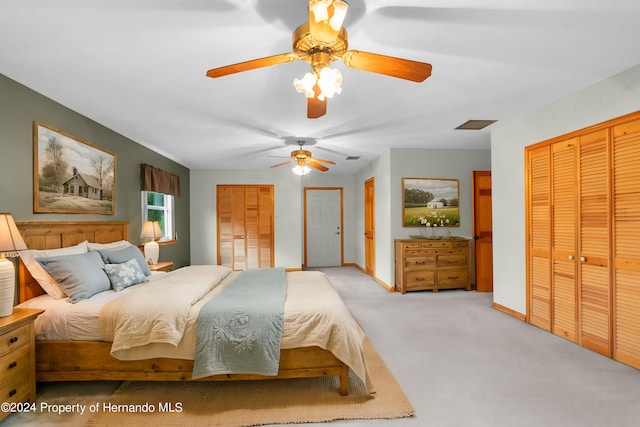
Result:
[
  {"x": 301, "y": 170},
  {"x": 306, "y": 84},
  {"x": 328, "y": 16},
  {"x": 330, "y": 82},
  {"x": 339, "y": 13}
]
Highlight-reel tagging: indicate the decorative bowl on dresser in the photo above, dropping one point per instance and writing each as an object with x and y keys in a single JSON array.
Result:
[{"x": 432, "y": 264}]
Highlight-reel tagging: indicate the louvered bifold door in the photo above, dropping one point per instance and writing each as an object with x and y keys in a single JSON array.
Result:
[
  {"x": 626, "y": 202},
  {"x": 539, "y": 205},
  {"x": 593, "y": 254},
  {"x": 564, "y": 201}
]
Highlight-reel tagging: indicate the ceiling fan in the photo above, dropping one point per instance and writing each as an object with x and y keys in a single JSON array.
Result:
[
  {"x": 321, "y": 41},
  {"x": 303, "y": 160}
]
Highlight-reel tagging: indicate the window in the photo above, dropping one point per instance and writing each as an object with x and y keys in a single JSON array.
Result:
[{"x": 159, "y": 207}]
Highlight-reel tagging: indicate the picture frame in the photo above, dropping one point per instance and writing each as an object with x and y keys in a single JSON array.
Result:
[
  {"x": 430, "y": 202},
  {"x": 71, "y": 175}
]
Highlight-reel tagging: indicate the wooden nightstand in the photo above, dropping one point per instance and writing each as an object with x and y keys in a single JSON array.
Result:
[
  {"x": 17, "y": 357},
  {"x": 162, "y": 266}
]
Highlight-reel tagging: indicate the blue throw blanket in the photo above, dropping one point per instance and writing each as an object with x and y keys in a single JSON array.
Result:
[{"x": 240, "y": 329}]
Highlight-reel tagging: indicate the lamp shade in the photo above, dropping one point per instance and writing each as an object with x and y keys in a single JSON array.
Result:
[
  {"x": 10, "y": 238},
  {"x": 151, "y": 230}
]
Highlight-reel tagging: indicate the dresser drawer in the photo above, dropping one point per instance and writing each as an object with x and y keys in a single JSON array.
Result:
[
  {"x": 15, "y": 389},
  {"x": 453, "y": 277},
  {"x": 410, "y": 245},
  {"x": 419, "y": 262},
  {"x": 420, "y": 279},
  {"x": 452, "y": 260},
  {"x": 15, "y": 364},
  {"x": 14, "y": 339}
]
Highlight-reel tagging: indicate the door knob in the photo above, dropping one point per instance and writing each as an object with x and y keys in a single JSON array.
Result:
[
  {"x": 582, "y": 259},
  {"x": 570, "y": 257}
]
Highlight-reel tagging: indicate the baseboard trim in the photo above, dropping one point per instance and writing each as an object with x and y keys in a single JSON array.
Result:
[
  {"x": 509, "y": 311},
  {"x": 375, "y": 279}
]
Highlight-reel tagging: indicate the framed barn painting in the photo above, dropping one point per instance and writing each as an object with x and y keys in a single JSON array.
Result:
[
  {"x": 429, "y": 202},
  {"x": 71, "y": 175}
]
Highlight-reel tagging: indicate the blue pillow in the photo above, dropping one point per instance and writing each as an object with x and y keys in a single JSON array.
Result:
[
  {"x": 79, "y": 276},
  {"x": 123, "y": 255},
  {"x": 124, "y": 275}
]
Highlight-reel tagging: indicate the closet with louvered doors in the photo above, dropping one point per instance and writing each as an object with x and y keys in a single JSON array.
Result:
[
  {"x": 245, "y": 226},
  {"x": 626, "y": 237},
  {"x": 583, "y": 237},
  {"x": 538, "y": 196}
]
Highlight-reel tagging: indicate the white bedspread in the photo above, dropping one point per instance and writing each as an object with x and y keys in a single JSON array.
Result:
[
  {"x": 314, "y": 315},
  {"x": 156, "y": 313}
]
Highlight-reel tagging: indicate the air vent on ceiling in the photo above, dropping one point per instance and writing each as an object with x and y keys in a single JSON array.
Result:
[
  {"x": 352, "y": 157},
  {"x": 475, "y": 124}
]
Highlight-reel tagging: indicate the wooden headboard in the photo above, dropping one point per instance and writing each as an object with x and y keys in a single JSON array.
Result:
[{"x": 60, "y": 234}]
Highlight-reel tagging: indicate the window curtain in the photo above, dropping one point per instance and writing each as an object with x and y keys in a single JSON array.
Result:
[{"x": 159, "y": 181}]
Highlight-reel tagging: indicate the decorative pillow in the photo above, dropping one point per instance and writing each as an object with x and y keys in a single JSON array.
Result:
[
  {"x": 120, "y": 244},
  {"x": 123, "y": 255},
  {"x": 40, "y": 275},
  {"x": 124, "y": 275},
  {"x": 80, "y": 276}
]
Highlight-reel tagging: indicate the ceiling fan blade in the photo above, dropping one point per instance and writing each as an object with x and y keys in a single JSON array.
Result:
[
  {"x": 315, "y": 107},
  {"x": 329, "y": 162},
  {"x": 283, "y": 58},
  {"x": 316, "y": 165},
  {"x": 388, "y": 65},
  {"x": 283, "y": 163}
]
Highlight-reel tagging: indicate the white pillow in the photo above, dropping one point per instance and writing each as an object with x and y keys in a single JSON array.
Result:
[
  {"x": 120, "y": 244},
  {"x": 42, "y": 277}
]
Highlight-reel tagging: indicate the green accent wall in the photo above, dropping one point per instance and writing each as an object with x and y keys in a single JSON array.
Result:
[{"x": 20, "y": 106}]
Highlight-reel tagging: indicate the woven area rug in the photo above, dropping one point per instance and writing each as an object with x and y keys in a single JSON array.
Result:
[{"x": 252, "y": 403}]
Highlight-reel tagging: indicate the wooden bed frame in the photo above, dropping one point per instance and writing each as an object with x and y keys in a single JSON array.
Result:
[{"x": 90, "y": 360}]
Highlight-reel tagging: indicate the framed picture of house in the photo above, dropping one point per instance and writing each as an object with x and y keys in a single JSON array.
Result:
[
  {"x": 429, "y": 202},
  {"x": 71, "y": 175}
]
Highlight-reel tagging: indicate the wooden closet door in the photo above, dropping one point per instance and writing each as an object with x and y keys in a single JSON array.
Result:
[
  {"x": 594, "y": 242},
  {"x": 245, "y": 226},
  {"x": 539, "y": 239},
  {"x": 564, "y": 195},
  {"x": 626, "y": 247},
  {"x": 225, "y": 229},
  {"x": 259, "y": 226}
]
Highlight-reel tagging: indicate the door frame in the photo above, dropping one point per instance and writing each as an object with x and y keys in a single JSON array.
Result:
[{"x": 341, "y": 191}]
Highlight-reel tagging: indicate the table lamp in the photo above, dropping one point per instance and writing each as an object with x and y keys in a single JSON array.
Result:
[
  {"x": 151, "y": 230},
  {"x": 10, "y": 242}
]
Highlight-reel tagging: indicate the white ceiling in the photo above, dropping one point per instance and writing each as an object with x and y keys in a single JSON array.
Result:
[{"x": 138, "y": 67}]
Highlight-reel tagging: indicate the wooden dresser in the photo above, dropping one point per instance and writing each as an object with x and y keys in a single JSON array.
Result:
[
  {"x": 17, "y": 358},
  {"x": 423, "y": 264}
]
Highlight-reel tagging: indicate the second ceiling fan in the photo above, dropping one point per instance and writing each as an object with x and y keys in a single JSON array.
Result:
[
  {"x": 321, "y": 41},
  {"x": 303, "y": 161}
]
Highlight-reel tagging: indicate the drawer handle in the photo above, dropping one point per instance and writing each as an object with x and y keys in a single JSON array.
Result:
[
  {"x": 419, "y": 262},
  {"x": 13, "y": 340},
  {"x": 420, "y": 278},
  {"x": 12, "y": 392},
  {"x": 452, "y": 277},
  {"x": 13, "y": 365}
]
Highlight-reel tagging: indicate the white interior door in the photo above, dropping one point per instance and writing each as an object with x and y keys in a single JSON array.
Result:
[{"x": 323, "y": 228}]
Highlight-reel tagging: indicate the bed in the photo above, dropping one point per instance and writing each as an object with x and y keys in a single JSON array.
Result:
[{"x": 82, "y": 360}]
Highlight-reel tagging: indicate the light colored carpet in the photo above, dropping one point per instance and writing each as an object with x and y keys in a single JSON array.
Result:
[{"x": 252, "y": 403}]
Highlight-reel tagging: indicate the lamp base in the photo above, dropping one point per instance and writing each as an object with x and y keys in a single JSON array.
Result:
[
  {"x": 7, "y": 287},
  {"x": 151, "y": 252}
]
